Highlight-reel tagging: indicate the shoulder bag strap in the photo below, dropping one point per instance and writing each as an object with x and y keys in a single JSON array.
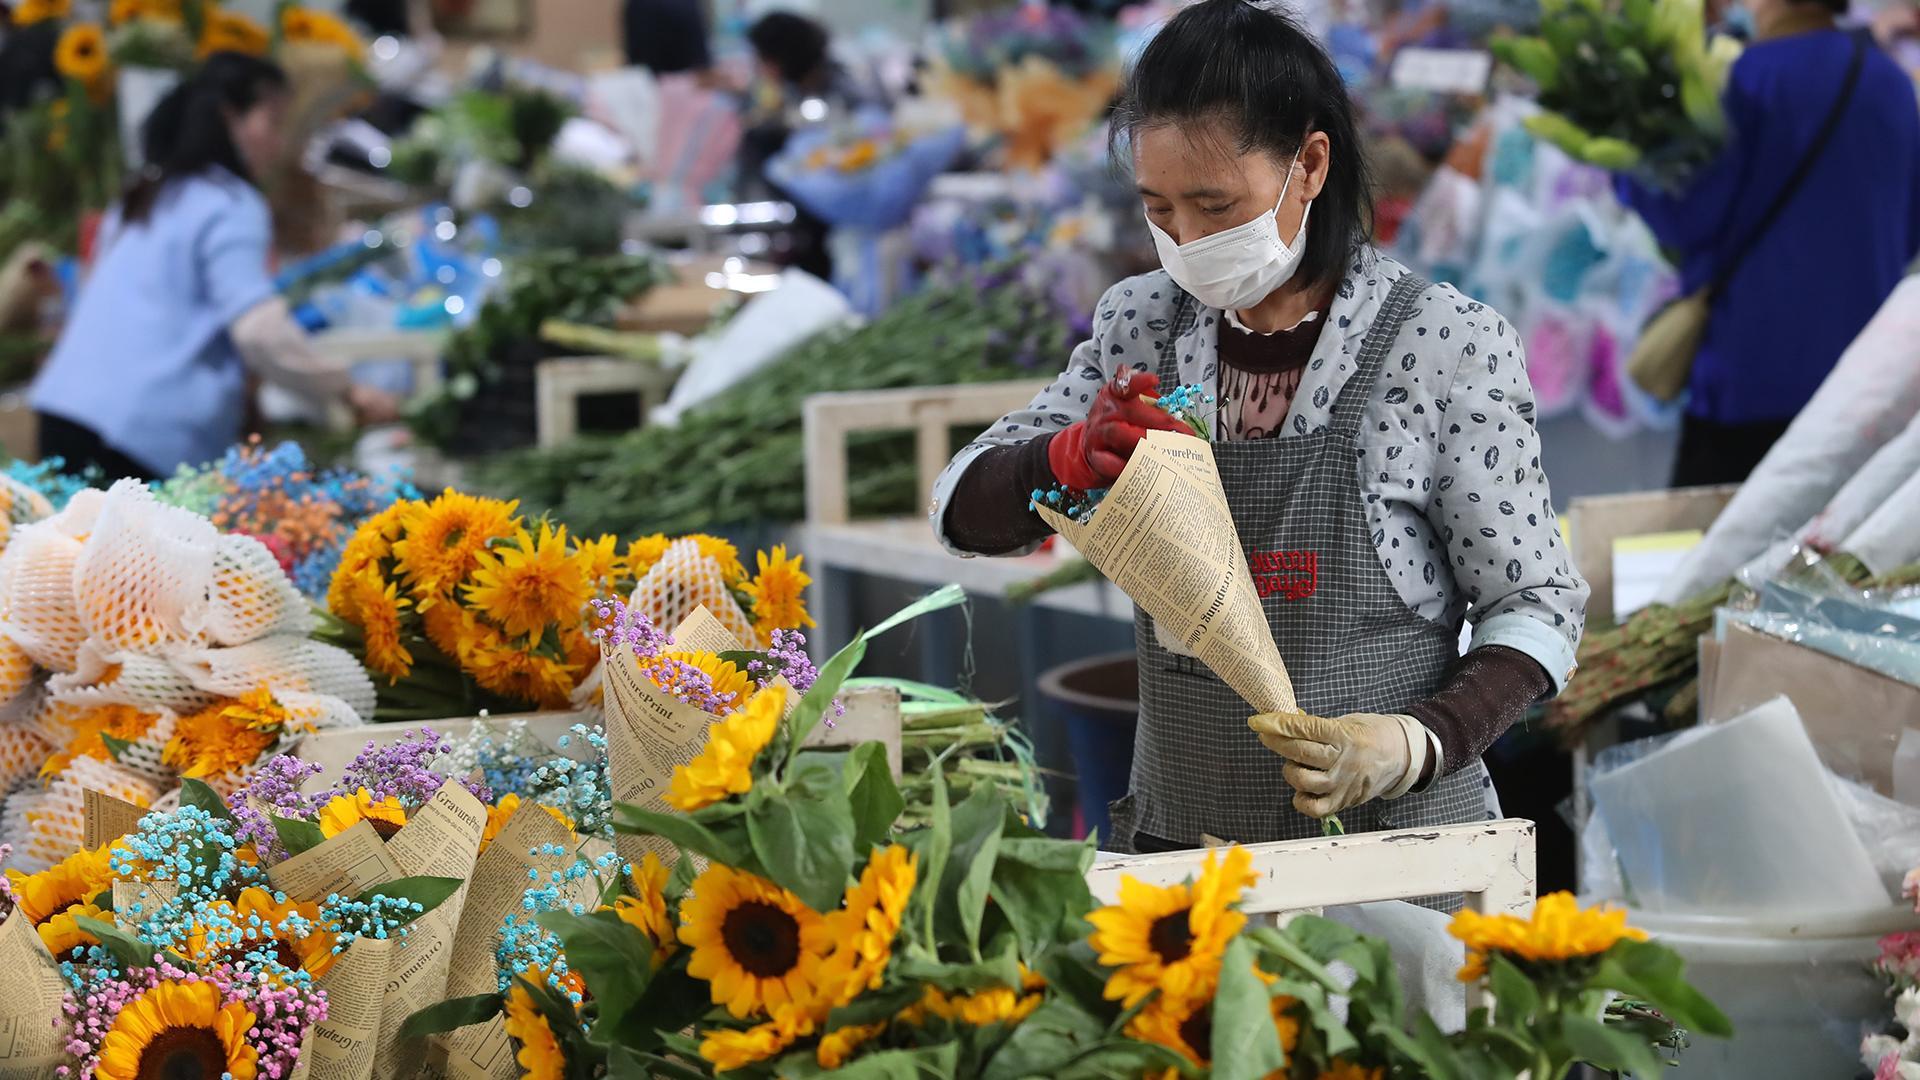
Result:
[{"x": 1821, "y": 138}]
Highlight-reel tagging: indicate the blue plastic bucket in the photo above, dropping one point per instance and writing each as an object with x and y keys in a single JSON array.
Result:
[{"x": 1097, "y": 700}]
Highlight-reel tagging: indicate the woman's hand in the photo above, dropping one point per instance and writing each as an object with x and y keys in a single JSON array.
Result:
[
  {"x": 1336, "y": 763},
  {"x": 1090, "y": 454}
]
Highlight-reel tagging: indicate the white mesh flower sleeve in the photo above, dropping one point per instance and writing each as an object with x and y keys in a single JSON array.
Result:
[
  {"x": 285, "y": 664},
  {"x": 37, "y": 608},
  {"x": 683, "y": 580},
  {"x": 252, "y": 596},
  {"x": 144, "y": 577},
  {"x": 121, "y": 678}
]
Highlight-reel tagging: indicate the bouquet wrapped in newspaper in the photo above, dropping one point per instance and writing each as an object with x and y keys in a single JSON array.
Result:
[
  {"x": 139, "y": 644},
  {"x": 163, "y": 946}
]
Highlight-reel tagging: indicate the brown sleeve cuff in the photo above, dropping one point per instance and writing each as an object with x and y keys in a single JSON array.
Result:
[
  {"x": 1488, "y": 691},
  {"x": 988, "y": 513}
]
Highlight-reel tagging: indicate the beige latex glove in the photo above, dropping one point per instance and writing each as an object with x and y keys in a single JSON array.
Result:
[{"x": 1343, "y": 761}]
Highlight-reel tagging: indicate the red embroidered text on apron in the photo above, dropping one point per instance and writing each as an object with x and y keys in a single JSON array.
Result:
[{"x": 1292, "y": 575}]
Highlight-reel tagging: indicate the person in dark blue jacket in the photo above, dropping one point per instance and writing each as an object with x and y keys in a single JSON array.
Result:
[{"x": 1811, "y": 281}]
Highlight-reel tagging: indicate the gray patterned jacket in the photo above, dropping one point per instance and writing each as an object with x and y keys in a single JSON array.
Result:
[{"x": 1449, "y": 459}]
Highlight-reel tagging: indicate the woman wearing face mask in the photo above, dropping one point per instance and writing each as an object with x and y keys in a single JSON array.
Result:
[
  {"x": 151, "y": 370},
  {"x": 1375, "y": 439}
]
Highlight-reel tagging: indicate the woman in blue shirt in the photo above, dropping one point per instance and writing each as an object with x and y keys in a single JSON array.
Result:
[
  {"x": 150, "y": 372},
  {"x": 1817, "y": 274}
]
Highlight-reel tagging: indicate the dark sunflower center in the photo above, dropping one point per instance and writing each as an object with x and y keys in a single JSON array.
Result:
[
  {"x": 1171, "y": 937},
  {"x": 1197, "y": 1031},
  {"x": 763, "y": 939},
  {"x": 284, "y": 953},
  {"x": 183, "y": 1053},
  {"x": 385, "y": 828}
]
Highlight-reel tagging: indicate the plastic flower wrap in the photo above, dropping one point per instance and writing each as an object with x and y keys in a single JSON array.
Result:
[
  {"x": 139, "y": 645},
  {"x": 1628, "y": 85},
  {"x": 302, "y": 514},
  {"x": 872, "y": 182}
]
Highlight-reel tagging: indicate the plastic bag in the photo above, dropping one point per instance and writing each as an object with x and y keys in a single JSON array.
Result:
[{"x": 758, "y": 334}]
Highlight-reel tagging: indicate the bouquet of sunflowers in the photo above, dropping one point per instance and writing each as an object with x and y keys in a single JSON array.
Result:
[
  {"x": 173, "y": 950},
  {"x": 1628, "y": 85},
  {"x": 802, "y": 931},
  {"x": 462, "y": 605}
]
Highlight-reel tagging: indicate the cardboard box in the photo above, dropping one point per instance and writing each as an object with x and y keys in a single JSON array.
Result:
[
  {"x": 1596, "y": 524},
  {"x": 1855, "y": 716}
]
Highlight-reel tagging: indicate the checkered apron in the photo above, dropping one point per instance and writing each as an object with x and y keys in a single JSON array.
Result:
[{"x": 1350, "y": 642}]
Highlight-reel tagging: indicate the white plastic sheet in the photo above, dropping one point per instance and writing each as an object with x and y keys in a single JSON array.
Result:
[
  {"x": 764, "y": 329},
  {"x": 1871, "y": 396},
  {"x": 1737, "y": 817}
]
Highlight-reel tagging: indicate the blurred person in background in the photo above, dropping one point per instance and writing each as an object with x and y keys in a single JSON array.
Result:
[
  {"x": 799, "y": 82},
  {"x": 1803, "y": 285},
  {"x": 667, "y": 37},
  {"x": 151, "y": 369}
]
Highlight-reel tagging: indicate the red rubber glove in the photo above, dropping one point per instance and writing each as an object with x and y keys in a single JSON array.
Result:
[{"x": 1090, "y": 454}]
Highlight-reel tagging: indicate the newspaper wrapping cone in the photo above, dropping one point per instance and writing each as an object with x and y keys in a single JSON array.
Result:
[
  {"x": 518, "y": 856},
  {"x": 32, "y": 1047},
  {"x": 377, "y": 984},
  {"x": 1165, "y": 535},
  {"x": 650, "y": 733}
]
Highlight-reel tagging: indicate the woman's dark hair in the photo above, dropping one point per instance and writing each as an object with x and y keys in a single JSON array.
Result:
[
  {"x": 27, "y": 71},
  {"x": 1255, "y": 76},
  {"x": 795, "y": 45},
  {"x": 187, "y": 133}
]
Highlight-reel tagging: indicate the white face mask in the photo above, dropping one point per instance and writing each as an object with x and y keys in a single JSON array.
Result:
[{"x": 1238, "y": 268}]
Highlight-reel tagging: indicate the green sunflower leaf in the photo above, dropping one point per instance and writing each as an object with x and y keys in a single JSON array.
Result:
[
  {"x": 615, "y": 958},
  {"x": 428, "y": 892},
  {"x": 128, "y": 950},
  {"x": 197, "y": 794},
  {"x": 298, "y": 837},
  {"x": 1246, "y": 1045},
  {"x": 683, "y": 833},
  {"x": 115, "y": 747},
  {"x": 452, "y": 1014},
  {"x": 805, "y": 842},
  {"x": 875, "y": 798}
]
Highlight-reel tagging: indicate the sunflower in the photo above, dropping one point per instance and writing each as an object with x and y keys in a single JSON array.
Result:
[
  {"x": 502, "y": 812},
  {"x": 779, "y": 594},
  {"x": 510, "y": 671},
  {"x": 837, "y": 1046},
  {"x": 644, "y": 552},
  {"x": 81, "y": 54},
  {"x": 63, "y": 936},
  {"x": 343, "y": 812},
  {"x": 377, "y": 605},
  {"x": 124, "y": 11},
  {"x": 1171, "y": 939},
  {"x": 753, "y": 942},
  {"x": 209, "y": 743},
  {"x": 729, "y": 682},
  {"x": 29, "y": 12},
  {"x": 370, "y": 545},
  {"x": 726, "y": 1049},
  {"x": 994, "y": 1005},
  {"x": 76, "y": 879},
  {"x": 723, "y": 553},
  {"x": 257, "y": 925},
  {"x": 1342, "y": 1069},
  {"x": 1185, "y": 1024},
  {"x": 601, "y": 558},
  {"x": 725, "y": 765},
  {"x": 647, "y": 912},
  {"x": 446, "y": 537},
  {"x": 531, "y": 583},
  {"x": 228, "y": 31},
  {"x": 861, "y": 933},
  {"x": 306, "y": 26},
  {"x": 178, "y": 1029},
  {"x": 540, "y": 1055},
  {"x": 258, "y": 709},
  {"x": 92, "y": 727},
  {"x": 1557, "y": 930}
]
